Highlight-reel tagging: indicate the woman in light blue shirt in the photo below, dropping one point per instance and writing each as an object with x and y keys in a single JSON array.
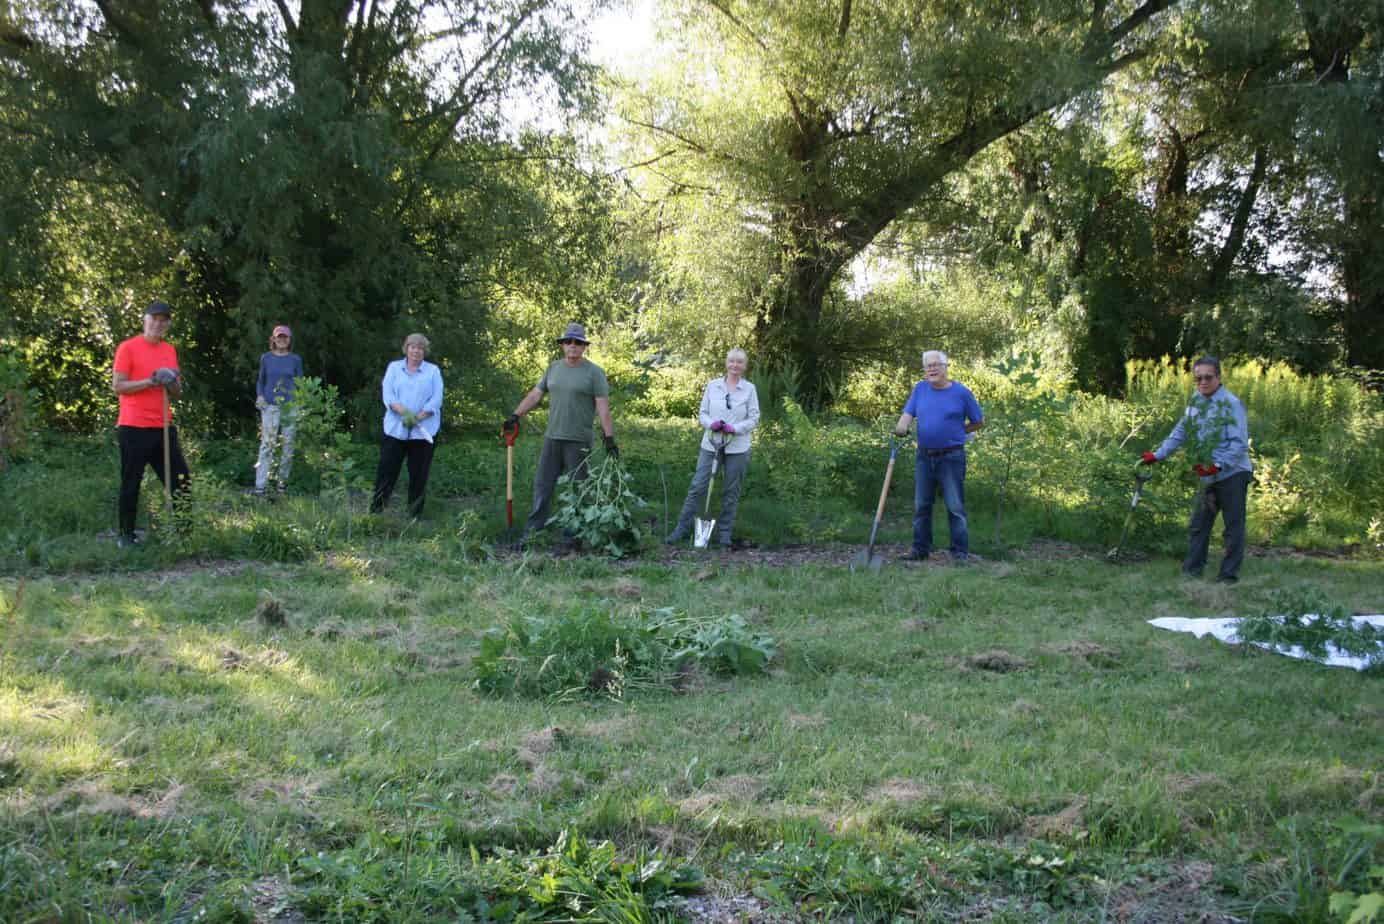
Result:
[
  {"x": 729, "y": 411},
  {"x": 412, "y": 392}
]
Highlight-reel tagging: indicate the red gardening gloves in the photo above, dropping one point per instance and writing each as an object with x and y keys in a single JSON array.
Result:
[
  {"x": 1148, "y": 458},
  {"x": 718, "y": 426},
  {"x": 727, "y": 428},
  {"x": 1206, "y": 471}
]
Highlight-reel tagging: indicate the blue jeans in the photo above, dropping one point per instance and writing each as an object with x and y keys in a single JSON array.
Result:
[{"x": 946, "y": 470}]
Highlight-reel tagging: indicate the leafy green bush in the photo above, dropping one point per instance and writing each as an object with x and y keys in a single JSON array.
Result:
[
  {"x": 594, "y": 652},
  {"x": 806, "y": 465}
]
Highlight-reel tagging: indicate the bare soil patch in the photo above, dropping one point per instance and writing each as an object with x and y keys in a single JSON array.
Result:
[
  {"x": 1187, "y": 895},
  {"x": 995, "y": 661},
  {"x": 1062, "y": 824},
  {"x": 297, "y": 791},
  {"x": 270, "y": 902},
  {"x": 739, "y": 907},
  {"x": 617, "y": 727},
  {"x": 531, "y": 750},
  {"x": 902, "y": 791},
  {"x": 92, "y": 797},
  {"x": 798, "y": 721},
  {"x": 1191, "y": 782},
  {"x": 740, "y": 787},
  {"x": 1090, "y": 653}
]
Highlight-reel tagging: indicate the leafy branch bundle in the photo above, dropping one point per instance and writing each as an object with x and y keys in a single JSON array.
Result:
[
  {"x": 599, "y": 510},
  {"x": 595, "y": 652},
  {"x": 1316, "y": 628}
]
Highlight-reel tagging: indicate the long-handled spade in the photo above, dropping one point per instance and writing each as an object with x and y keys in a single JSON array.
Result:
[
  {"x": 167, "y": 465},
  {"x": 510, "y": 434},
  {"x": 1142, "y": 474},
  {"x": 866, "y": 557},
  {"x": 703, "y": 525}
]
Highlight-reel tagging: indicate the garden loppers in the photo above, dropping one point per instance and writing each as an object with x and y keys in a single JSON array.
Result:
[
  {"x": 510, "y": 434},
  {"x": 1142, "y": 474},
  {"x": 866, "y": 557},
  {"x": 703, "y": 526}
]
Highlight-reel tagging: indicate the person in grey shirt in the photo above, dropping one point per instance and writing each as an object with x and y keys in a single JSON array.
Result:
[
  {"x": 578, "y": 391},
  {"x": 1217, "y": 428},
  {"x": 273, "y": 394},
  {"x": 729, "y": 411}
]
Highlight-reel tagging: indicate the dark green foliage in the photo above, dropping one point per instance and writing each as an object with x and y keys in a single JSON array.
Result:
[{"x": 348, "y": 175}]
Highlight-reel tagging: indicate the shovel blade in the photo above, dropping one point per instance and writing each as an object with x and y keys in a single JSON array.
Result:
[
  {"x": 701, "y": 532},
  {"x": 864, "y": 560}
]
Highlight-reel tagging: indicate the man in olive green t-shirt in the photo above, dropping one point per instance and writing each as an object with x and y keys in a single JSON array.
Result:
[{"x": 578, "y": 389}]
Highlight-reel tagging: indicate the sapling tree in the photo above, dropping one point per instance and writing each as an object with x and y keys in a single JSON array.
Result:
[
  {"x": 1013, "y": 433},
  {"x": 317, "y": 413}
]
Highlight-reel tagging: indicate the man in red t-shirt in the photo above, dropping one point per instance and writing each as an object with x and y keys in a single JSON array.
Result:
[{"x": 145, "y": 376}]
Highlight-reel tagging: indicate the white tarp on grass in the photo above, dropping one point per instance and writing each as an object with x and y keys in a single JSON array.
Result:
[{"x": 1225, "y": 630}]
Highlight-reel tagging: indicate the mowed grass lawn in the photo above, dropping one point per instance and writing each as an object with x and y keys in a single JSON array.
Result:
[{"x": 1004, "y": 741}]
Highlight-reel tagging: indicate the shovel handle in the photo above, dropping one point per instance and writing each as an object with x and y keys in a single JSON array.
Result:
[
  {"x": 884, "y": 492},
  {"x": 167, "y": 463},
  {"x": 509, "y": 482}
]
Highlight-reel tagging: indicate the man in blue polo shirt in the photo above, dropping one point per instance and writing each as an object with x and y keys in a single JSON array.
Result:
[{"x": 947, "y": 415}]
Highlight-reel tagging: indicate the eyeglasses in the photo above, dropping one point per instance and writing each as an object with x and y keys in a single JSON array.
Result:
[
  {"x": 571, "y": 343},
  {"x": 1206, "y": 378}
]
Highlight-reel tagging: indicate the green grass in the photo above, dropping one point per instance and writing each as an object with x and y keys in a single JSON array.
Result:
[
  {"x": 168, "y": 754},
  {"x": 1007, "y": 741}
]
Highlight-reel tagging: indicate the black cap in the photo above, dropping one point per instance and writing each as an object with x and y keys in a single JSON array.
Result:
[{"x": 157, "y": 307}]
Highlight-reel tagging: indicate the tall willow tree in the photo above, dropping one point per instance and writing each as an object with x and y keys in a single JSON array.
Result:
[
  {"x": 798, "y": 132},
  {"x": 336, "y": 164}
]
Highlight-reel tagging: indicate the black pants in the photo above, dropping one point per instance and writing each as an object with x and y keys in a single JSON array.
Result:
[
  {"x": 392, "y": 454},
  {"x": 141, "y": 446},
  {"x": 1228, "y": 496}
]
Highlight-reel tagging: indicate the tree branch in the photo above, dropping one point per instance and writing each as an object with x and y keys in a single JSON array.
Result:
[
  {"x": 290, "y": 26},
  {"x": 788, "y": 93},
  {"x": 463, "y": 105},
  {"x": 1239, "y": 224}
]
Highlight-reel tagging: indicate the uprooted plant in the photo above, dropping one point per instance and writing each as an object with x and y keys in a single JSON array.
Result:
[
  {"x": 592, "y": 652},
  {"x": 599, "y": 510},
  {"x": 1307, "y": 621}
]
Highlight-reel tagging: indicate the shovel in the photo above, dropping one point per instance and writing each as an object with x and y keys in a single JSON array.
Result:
[
  {"x": 510, "y": 435},
  {"x": 1142, "y": 474},
  {"x": 167, "y": 466},
  {"x": 702, "y": 527},
  {"x": 866, "y": 557}
]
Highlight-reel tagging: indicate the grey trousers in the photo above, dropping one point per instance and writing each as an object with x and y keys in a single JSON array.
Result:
[
  {"x": 733, "y": 473},
  {"x": 1228, "y": 496},
  {"x": 557, "y": 456}
]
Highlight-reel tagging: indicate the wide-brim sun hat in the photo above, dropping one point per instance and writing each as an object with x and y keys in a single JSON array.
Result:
[{"x": 575, "y": 332}]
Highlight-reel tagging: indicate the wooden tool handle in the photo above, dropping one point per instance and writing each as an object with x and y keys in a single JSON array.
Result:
[{"x": 884, "y": 494}]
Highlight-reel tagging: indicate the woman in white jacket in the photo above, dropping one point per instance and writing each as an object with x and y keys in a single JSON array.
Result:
[{"x": 730, "y": 411}]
